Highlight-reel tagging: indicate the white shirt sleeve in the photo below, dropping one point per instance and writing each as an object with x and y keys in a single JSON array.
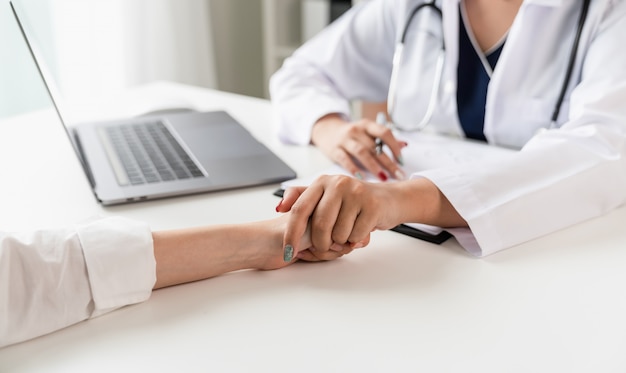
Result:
[
  {"x": 350, "y": 59},
  {"x": 561, "y": 177},
  {"x": 56, "y": 278}
]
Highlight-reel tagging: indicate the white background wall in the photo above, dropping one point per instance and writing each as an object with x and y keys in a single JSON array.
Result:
[
  {"x": 238, "y": 44},
  {"x": 238, "y": 37},
  {"x": 20, "y": 87}
]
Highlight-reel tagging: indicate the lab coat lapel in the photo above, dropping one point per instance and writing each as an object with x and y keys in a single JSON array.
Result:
[
  {"x": 450, "y": 9},
  {"x": 513, "y": 110}
]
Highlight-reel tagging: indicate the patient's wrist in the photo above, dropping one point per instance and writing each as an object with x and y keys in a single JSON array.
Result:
[{"x": 266, "y": 247}]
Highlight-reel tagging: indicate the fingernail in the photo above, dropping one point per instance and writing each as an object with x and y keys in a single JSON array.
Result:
[
  {"x": 278, "y": 206},
  {"x": 399, "y": 175},
  {"x": 358, "y": 245},
  {"x": 404, "y": 144},
  {"x": 288, "y": 254},
  {"x": 400, "y": 160},
  {"x": 382, "y": 176},
  {"x": 358, "y": 176}
]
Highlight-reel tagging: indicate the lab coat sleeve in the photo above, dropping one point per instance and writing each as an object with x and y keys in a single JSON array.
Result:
[
  {"x": 53, "y": 279},
  {"x": 350, "y": 59},
  {"x": 563, "y": 176}
]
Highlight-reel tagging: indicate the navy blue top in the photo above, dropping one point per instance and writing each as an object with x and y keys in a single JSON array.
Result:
[{"x": 471, "y": 94}]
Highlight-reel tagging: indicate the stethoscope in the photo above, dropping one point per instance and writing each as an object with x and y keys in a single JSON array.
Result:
[{"x": 399, "y": 50}]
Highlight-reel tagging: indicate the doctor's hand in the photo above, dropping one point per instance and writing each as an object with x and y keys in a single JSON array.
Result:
[
  {"x": 306, "y": 250},
  {"x": 341, "y": 210},
  {"x": 350, "y": 144}
]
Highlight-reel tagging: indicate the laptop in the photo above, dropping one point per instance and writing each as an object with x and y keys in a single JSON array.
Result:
[{"x": 165, "y": 155}]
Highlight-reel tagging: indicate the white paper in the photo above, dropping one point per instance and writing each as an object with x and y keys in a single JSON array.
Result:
[{"x": 425, "y": 151}]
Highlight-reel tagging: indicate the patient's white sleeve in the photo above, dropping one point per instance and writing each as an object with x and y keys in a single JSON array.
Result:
[{"x": 50, "y": 279}]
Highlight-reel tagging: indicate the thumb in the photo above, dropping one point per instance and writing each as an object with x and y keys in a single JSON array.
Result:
[{"x": 298, "y": 221}]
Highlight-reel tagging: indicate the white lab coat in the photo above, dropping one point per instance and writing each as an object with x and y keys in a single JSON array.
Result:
[
  {"x": 560, "y": 177},
  {"x": 50, "y": 279}
]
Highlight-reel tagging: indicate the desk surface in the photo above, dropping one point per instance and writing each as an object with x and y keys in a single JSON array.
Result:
[{"x": 554, "y": 304}]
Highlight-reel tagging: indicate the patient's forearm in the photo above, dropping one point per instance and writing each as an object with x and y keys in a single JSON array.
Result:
[{"x": 198, "y": 253}]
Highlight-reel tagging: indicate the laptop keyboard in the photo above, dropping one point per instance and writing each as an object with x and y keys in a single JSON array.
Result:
[{"x": 149, "y": 153}]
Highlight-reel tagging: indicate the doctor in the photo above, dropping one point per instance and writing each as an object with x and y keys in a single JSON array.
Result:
[{"x": 546, "y": 77}]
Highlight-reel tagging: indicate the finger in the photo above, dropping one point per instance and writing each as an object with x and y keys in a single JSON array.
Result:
[
  {"x": 324, "y": 217},
  {"x": 391, "y": 167},
  {"x": 352, "y": 245},
  {"x": 290, "y": 195},
  {"x": 324, "y": 256},
  {"x": 364, "y": 242},
  {"x": 346, "y": 218},
  {"x": 363, "y": 226},
  {"x": 386, "y": 135},
  {"x": 360, "y": 215},
  {"x": 337, "y": 247},
  {"x": 301, "y": 211},
  {"x": 333, "y": 218},
  {"x": 377, "y": 163},
  {"x": 344, "y": 248},
  {"x": 307, "y": 256},
  {"x": 360, "y": 145},
  {"x": 345, "y": 160},
  {"x": 365, "y": 154}
]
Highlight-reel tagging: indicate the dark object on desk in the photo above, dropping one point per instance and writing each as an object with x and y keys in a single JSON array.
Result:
[
  {"x": 338, "y": 8},
  {"x": 405, "y": 229},
  {"x": 424, "y": 236}
]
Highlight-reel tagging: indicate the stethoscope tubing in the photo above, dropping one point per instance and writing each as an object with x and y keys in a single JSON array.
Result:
[
  {"x": 399, "y": 51},
  {"x": 570, "y": 65},
  {"x": 397, "y": 60}
]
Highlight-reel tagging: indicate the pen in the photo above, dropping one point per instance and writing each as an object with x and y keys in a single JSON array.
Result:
[{"x": 381, "y": 119}]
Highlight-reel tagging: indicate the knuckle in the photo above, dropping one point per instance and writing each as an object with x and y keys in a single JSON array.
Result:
[
  {"x": 361, "y": 151},
  {"x": 354, "y": 130},
  {"x": 324, "y": 178},
  {"x": 359, "y": 190},
  {"x": 318, "y": 226},
  {"x": 386, "y": 132},
  {"x": 342, "y": 182},
  {"x": 297, "y": 210},
  {"x": 338, "y": 238}
]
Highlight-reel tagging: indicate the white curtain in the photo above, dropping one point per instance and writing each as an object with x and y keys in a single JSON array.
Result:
[
  {"x": 107, "y": 46},
  {"x": 21, "y": 89}
]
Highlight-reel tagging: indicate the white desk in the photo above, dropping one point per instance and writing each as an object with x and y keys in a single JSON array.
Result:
[{"x": 557, "y": 304}]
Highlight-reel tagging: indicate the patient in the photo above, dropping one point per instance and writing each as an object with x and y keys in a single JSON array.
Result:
[{"x": 53, "y": 279}]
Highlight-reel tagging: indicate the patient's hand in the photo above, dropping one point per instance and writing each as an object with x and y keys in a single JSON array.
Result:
[
  {"x": 275, "y": 259},
  {"x": 336, "y": 250}
]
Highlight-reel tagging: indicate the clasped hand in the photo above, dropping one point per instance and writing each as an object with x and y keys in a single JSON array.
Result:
[{"x": 340, "y": 212}]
